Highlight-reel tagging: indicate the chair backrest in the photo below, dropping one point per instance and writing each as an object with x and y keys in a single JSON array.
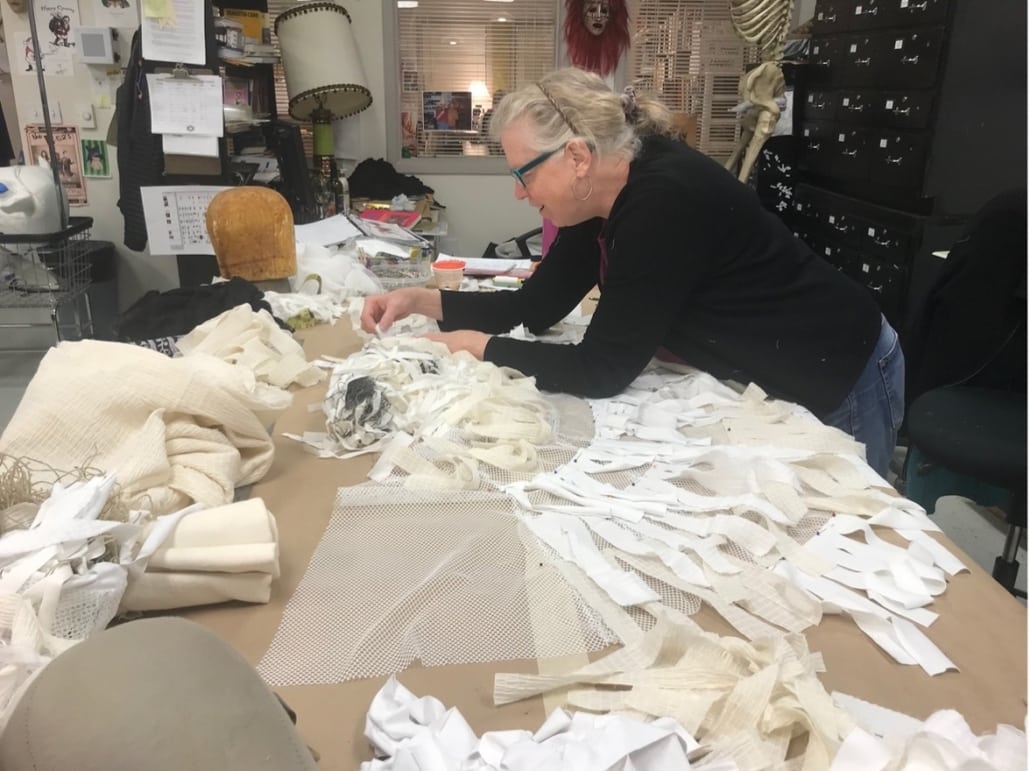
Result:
[{"x": 972, "y": 329}]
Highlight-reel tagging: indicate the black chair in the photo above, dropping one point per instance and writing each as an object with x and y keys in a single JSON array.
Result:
[
  {"x": 966, "y": 363},
  {"x": 979, "y": 432}
]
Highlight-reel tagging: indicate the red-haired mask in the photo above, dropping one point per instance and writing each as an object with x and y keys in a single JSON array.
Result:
[{"x": 596, "y": 33}]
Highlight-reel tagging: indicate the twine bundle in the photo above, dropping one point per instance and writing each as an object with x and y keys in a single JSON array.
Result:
[{"x": 25, "y": 483}]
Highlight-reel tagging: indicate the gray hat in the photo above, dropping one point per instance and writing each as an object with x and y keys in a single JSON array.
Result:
[{"x": 161, "y": 694}]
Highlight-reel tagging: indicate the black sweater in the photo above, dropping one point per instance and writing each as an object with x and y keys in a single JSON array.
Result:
[{"x": 697, "y": 266}]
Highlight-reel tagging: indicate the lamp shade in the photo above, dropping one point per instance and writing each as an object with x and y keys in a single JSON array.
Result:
[{"x": 320, "y": 60}]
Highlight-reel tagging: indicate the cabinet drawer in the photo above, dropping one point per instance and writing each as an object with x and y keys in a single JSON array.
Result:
[
  {"x": 850, "y": 153},
  {"x": 831, "y": 16},
  {"x": 866, "y": 14},
  {"x": 821, "y": 105},
  {"x": 886, "y": 282},
  {"x": 827, "y": 61},
  {"x": 855, "y": 106},
  {"x": 911, "y": 13},
  {"x": 898, "y": 158},
  {"x": 903, "y": 109},
  {"x": 818, "y": 148},
  {"x": 911, "y": 59},
  {"x": 891, "y": 243}
]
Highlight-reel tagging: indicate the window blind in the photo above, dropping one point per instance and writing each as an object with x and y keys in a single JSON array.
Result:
[
  {"x": 687, "y": 52},
  {"x": 456, "y": 58}
]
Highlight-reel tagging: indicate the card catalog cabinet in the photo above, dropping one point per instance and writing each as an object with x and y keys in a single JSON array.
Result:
[{"x": 908, "y": 113}]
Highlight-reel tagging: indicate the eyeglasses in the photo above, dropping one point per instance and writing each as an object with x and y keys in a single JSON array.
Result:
[{"x": 525, "y": 168}]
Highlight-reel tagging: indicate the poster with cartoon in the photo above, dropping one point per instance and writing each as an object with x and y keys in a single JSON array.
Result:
[
  {"x": 95, "y": 162},
  {"x": 69, "y": 158},
  {"x": 56, "y": 22},
  {"x": 116, "y": 13}
]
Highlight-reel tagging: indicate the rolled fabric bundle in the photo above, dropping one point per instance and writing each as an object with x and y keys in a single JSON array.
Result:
[{"x": 211, "y": 555}]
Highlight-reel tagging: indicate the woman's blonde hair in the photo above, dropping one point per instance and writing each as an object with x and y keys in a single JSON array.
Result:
[{"x": 570, "y": 103}]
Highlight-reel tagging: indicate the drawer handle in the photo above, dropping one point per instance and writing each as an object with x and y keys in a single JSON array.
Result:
[
  {"x": 815, "y": 146},
  {"x": 895, "y": 161},
  {"x": 882, "y": 242},
  {"x": 869, "y": 12},
  {"x": 910, "y": 59},
  {"x": 830, "y": 18},
  {"x": 918, "y": 6},
  {"x": 841, "y": 228},
  {"x": 899, "y": 111},
  {"x": 865, "y": 62},
  {"x": 855, "y": 107},
  {"x": 823, "y": 62},
  {"x": 850, "y": 153}
]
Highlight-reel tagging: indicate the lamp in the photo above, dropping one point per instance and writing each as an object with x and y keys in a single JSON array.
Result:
[{"x": 324, "y": 76}]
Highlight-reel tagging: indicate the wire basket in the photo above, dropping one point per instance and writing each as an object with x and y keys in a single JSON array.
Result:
[{"x": 45, "y": 269}]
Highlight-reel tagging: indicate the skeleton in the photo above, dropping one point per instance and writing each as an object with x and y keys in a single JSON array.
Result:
[{"x": 764, "y": 23}]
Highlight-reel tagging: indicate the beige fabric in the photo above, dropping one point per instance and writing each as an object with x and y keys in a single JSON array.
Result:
[
  {"x": 253, "y": 340},
  {"x": 164, "y": 591},
  {"x": 213, "y": 555},
  {"x": 174, "y": 431},
  {"x": 158, "y": 694},
  {"x": 744, "y": 700}
]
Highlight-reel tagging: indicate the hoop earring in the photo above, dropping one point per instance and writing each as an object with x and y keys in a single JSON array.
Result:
[{"x": 590, "y": 190}]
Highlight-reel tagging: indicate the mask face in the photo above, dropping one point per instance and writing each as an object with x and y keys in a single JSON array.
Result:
[{"x": 596, "y": 16}]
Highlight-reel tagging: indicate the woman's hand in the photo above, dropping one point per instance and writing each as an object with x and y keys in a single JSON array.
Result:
[
  {"x": 381, "y": 310},
  {"x": 462, "y": 340}
]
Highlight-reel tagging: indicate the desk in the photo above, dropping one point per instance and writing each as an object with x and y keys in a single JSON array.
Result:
[{"x": 981, "y": 628}]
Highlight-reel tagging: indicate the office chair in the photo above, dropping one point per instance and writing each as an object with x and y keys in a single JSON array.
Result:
[{"x": 967, "y": 366}]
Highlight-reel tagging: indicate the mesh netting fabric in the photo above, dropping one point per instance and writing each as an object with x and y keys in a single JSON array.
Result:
[{"x": 430, "y": 578}]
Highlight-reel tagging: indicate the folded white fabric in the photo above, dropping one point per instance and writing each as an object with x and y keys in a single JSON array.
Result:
[
  {"x": 174, "y": 431},
  {"x": 420, "y": 733},
  {"x": 211, "y": 555},
  {"x": 253, "y": 340}
]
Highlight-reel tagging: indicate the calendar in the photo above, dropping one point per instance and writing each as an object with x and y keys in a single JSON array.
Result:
[{"x": 175, "y": 217}]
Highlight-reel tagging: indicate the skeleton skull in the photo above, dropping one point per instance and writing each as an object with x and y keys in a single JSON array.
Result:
[{"x": 596, "y": 16}]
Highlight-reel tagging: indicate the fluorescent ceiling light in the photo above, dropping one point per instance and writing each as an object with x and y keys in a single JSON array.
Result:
[
  {"x": 407, "y": 3},
  {"x": 500, "y": 1}
]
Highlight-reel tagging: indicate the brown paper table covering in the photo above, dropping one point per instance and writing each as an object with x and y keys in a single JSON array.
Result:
[{"x": 981, "y": 627}]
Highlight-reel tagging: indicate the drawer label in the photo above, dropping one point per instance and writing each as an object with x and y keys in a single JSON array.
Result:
[
  {"x": 832, "y": 219},
  {"x": 898, "y": 44},
  {"x": 828, "y": 251},
  {"x": 854, "y": 47},
  {"x": 858, "y": 10},
  {"x": 840, "y": 137},
  {"x": 889, "y": 104},
  {"x": 883, "y": 143},
  {"x": 904, "y": 4},
  {"x": 846, "y": 101},
  {"x": 865, "y": 267},
  {"x": 872, "y": 232}
]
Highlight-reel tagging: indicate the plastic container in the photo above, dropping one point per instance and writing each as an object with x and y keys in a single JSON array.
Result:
[
  {"x": 448, "y": 273},
  {"x": 396, "y": 264}
]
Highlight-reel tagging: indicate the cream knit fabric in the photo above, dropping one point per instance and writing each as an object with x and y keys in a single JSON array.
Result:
[{"x": 174, "y": 431}]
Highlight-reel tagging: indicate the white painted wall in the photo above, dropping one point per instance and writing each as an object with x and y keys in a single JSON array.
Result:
[
  {"x": 803, "y": 11},
  {"x": 480, "y": 208}
]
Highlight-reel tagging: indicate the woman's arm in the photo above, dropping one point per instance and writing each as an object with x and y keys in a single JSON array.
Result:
[{"x": 557, "y": 285}]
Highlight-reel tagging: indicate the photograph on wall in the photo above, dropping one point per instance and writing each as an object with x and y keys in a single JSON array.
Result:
[
  {"x": 56, "y": 21},
  {"x": 69, "y": 158},
  {"x": 409, "y": 145},
  {"x": 95, "y": 162},
  {"x": 447, "y": 110}
]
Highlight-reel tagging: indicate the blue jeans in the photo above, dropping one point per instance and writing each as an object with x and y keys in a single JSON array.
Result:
[{"x": 873, "y": 411}]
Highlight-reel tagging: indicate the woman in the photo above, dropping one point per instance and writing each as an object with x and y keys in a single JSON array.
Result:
[{"x": 688, "y": 262}]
